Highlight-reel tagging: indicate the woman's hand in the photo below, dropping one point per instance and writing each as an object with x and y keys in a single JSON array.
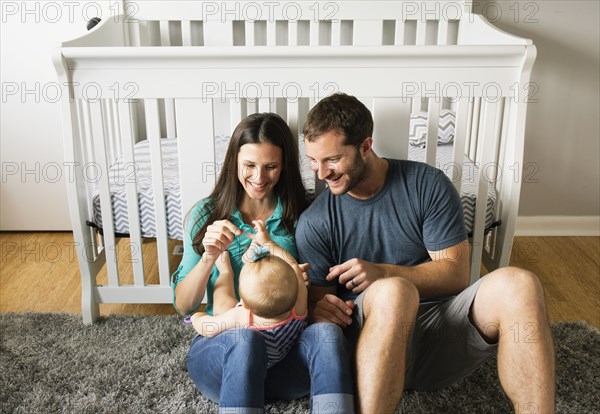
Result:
[{"x": 219, "y": 237}]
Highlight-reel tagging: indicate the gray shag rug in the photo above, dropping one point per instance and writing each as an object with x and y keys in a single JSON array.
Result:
[{"x": 136, "y": 364}]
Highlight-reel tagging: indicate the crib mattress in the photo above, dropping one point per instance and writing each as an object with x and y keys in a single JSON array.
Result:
[{"x": 120, "y": 173}]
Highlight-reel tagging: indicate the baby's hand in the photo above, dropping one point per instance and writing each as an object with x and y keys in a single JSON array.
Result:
[
  {"x": 223, "y": 263},
  {"x": 262, "y": 235}
]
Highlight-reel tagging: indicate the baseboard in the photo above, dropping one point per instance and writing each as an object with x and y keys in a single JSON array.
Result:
[{"x": 558, "y": 226}]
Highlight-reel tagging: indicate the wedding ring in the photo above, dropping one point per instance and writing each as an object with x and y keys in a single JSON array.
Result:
[{"x": 352, "y": 283}]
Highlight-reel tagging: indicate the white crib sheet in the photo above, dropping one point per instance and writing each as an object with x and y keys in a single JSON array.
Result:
[{"x": 121, "y": 173}]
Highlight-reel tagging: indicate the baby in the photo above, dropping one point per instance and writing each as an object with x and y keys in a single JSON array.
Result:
[{"x": 273, "y": 296}]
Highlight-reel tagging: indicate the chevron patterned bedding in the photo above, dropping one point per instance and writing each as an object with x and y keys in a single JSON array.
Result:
[{"x": 121, "y": 173}]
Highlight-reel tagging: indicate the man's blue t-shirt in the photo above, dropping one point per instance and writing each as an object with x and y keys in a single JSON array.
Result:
[{"x": 418, "y": 209}]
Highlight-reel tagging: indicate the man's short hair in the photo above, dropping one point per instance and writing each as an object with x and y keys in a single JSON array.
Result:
[{"x": 341, "y": 113}]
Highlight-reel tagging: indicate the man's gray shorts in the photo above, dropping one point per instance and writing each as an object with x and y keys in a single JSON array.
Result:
[{"x": 445, "y": 345}]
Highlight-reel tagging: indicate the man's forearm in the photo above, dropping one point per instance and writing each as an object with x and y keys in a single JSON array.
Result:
[{"x": 444, "y": 276}]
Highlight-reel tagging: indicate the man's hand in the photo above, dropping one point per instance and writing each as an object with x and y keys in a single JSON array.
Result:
[
  {"x": 356, "y": 274},
  {"x": 333, "y": 309}
]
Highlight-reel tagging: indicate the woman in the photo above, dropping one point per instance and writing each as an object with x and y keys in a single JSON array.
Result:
[{"x": 260, "y": 180}]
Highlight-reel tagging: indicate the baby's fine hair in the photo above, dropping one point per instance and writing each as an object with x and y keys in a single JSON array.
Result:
[{"x": 268, "y": 287}]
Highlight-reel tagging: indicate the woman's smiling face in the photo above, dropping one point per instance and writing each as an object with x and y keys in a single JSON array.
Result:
[{"x": 259, "y": 168}]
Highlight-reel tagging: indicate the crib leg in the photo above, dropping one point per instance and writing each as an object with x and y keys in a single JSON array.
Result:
[{"x": 90, "y": 309}]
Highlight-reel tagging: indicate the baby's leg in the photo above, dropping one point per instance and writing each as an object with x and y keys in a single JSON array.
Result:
[{"x": 224, "y": 293}]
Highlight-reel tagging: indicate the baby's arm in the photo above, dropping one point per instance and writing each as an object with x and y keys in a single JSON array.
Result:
[
  {"x": 210, "y": 326},
  {"x": 302, "y": 298},
  {"x": 224, "y": 293}
]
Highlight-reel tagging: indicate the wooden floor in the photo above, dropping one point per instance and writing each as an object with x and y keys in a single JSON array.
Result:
[{"x": 39, "y": 273}]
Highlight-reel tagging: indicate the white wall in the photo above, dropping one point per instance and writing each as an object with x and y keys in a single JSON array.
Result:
[
  {"x": 562, "y": 138},
  {"x": 33, "y": 192}
]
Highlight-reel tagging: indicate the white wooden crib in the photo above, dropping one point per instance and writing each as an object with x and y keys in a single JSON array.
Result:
[{"x": 182, "y": 74}]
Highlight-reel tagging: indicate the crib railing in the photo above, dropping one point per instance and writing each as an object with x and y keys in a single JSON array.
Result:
[{"x": 146, "y": 88}]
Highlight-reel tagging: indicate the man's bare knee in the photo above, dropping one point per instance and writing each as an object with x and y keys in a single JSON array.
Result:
[
  {"x": 518, "y": 287},
  {"x": 392, "y": 299}
]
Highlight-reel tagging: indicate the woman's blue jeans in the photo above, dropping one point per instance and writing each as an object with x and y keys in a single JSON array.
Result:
[{"x": 231, "y": 369}]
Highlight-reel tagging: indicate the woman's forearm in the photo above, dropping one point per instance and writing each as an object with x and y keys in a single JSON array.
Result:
[{"x": 190, "y": 291}]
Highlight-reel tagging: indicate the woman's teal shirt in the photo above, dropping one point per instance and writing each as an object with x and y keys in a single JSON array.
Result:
[{"x": 240, "y": 244}]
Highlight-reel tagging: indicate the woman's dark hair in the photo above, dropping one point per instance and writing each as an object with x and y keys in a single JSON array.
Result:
[
  {"x": 341, "y": 113},
  {"x": 228, "y": 191}
]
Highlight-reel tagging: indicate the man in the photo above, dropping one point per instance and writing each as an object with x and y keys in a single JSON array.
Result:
[{"x": 390, "y": 264}]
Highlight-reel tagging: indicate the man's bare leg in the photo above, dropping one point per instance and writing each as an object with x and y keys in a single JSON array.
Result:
[
  {"x": 390, "y": 308},
  {"x": 509, "y": 307}
]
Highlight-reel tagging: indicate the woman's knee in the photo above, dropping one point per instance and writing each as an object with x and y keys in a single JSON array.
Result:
[
  {"x": 244, "y": 343},
  {"x": 324, "y": 338},
  {"x": 230, "y": 347}
]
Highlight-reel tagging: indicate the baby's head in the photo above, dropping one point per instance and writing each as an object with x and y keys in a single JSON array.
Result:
[{"x": 268, "y": 287}]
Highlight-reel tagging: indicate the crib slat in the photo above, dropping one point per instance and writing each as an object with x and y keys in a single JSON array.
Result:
[
  {"x": 314, "y": 33},
  {"x": 293, "y": 33},
  {"x": 109, "y": 131},
  {"x": 271, "y": 33},
  {"x": 442, "y": 32},
  {"x": 249, "y": 32},
  {"x": 87, "y": 150},
  {"x": 114, "y": 127},
  {"x": 421, "y": 32},
  {"x": 399, "y": 33},
  {"x": 292, "y": 117},
  {"x": 186, "y": 33},
  {"x": 133, "y": 214},
  {"x": 433, "y": 122},
  {"x": 195, "y": 145},
  {"x": 236, "y": 113},
  {"x": 170, "y": 118},
  {"x": 510, "y": 188},
  {"x": 486, "y": 155},
  {"x": 336, "y": 33},
  {"x": 99, "y": 138},
  {"x": 417, "y": 104},
  {"x": 368, "y": 33},
  {"x": 500, "y": 171},
  {"x": 391, "y": 130},
  {"x": 133, "y": 28},
  {"x": 264, "y": 105},
  {"x": 165, "y": 34},
  {"x": 460, "y": 132},
  {"x": 474, "y": 135},
  {"x": 153, "y": 131}
]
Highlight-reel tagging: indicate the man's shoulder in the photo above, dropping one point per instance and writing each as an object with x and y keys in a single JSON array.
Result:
[
  {"x": 318, "y": 204},
  {"x": 315, "y": 212},
  {"x": 411, "y": 166},
  {"x": 413, "y": 171}
]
